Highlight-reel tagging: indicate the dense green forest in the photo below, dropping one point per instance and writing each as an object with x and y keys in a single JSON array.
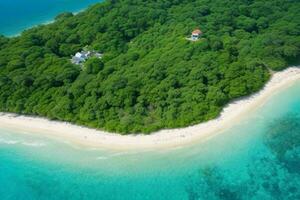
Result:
[{"x": 150, "y": 77}]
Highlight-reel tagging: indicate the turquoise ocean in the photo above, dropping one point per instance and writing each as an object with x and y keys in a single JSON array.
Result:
[
  {"x": 257, "y": 158},
  {"x": 17, "y": 15}
]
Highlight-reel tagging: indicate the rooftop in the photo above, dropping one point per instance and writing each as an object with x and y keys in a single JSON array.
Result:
[{"x": 197, "y": 32}]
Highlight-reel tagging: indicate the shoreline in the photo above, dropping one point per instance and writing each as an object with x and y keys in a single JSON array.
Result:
[{"x": 167, "y": 138}]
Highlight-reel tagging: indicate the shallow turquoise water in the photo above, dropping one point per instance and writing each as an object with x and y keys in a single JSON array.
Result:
[
  {"x": 258, "y": 158},
  {"x": 18, "y": 15}
]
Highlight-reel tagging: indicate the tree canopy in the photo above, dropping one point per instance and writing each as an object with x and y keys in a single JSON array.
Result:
[{"x": 150, "y": 77}]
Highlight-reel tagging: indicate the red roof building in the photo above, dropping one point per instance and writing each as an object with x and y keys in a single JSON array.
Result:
[{"x": 197, "y": 32}]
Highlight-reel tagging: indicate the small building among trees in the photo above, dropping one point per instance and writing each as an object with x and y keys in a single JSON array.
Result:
[
  {"x": 81, "y": 57},
  {"x": 196, "y": 34}
]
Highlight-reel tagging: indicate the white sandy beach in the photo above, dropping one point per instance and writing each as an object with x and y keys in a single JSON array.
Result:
[{"x": 77, "y": 135}]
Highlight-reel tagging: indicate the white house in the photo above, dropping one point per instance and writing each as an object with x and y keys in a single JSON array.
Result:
[{"x": 81, "y": 57}]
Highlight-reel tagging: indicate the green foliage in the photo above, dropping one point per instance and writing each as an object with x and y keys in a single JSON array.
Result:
[
  {"x": 93, "y": 65},
  {"x": 150, "y": 77},
  {"x": 64, "y": 16}
]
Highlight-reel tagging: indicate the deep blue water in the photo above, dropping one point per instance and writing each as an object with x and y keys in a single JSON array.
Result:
[
  {"x": 18, "y": 15},
  {"x": 258, "y": 158}
]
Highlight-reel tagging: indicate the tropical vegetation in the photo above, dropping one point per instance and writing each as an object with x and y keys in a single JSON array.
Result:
[{"x": 151, "y": 77}]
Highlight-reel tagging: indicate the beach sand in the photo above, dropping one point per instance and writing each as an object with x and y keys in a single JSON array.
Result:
[{"x": 169, "y": 138}]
